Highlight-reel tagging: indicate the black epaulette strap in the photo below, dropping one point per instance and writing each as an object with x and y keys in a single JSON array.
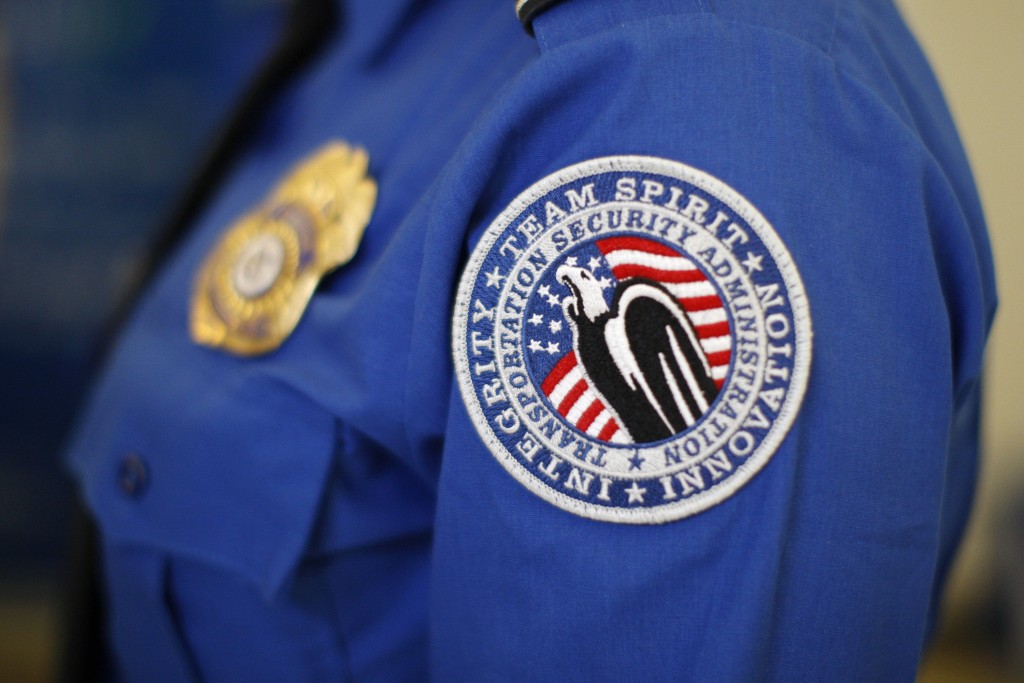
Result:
[{"x": 528, "y": 9}]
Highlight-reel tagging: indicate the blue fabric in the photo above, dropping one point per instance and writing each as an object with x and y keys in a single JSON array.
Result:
[{"x": 328, "y": 511}]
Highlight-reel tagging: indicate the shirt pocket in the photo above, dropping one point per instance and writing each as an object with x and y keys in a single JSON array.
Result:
[{"x": 231, "y": 476}]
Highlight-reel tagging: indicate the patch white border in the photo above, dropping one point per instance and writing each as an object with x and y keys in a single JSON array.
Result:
[{"x": 685, "y": 507}]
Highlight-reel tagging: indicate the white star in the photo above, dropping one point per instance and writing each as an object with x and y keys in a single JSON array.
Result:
[
  {"x": 594, "y": 263},
  {"x": 555, "y": 326},
  {"x": 636, "y": 493},
  {"x": 552, "y": 348},
  {"x": 753, "y": 262},
  {"x": 553, "y": 300},
  {"x": 536, "y": 319},
  {"x": 535, "y": 345},
  {"x": 544, "y": 290},
  {"x": 605, "y": 282},
  {"x": 571, "y": 261},
  {"x": 494, "y": 278}
]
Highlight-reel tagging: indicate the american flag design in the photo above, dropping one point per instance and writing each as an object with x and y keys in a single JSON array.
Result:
[{"x": 613, "y": 260}]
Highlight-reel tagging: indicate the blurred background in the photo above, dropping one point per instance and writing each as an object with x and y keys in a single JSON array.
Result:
[
  {"x": 978, "y": 54},
  {"x": 105, "y": 109}
]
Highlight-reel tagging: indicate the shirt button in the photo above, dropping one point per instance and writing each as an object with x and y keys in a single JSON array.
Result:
[{"x": 132, "y": 475}]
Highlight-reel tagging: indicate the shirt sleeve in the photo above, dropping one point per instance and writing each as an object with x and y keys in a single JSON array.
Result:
[{"x": 824, "y": 563}]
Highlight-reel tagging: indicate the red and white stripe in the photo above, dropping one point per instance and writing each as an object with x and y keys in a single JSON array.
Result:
[
  {"x": 577, "y": 402},
  {"x": 640, "y": 257}
]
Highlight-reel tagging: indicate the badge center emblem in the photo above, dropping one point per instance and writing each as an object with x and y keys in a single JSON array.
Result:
[{"x": 258, "y": 266}]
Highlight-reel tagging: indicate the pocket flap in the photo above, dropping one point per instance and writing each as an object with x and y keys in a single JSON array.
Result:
[{"x": 234, "y": 479}]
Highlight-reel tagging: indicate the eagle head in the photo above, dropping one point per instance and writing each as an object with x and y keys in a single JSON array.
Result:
[{"x": 586, "y": 296}]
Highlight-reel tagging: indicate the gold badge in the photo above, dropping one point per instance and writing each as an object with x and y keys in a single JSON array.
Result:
[{"x": 252, "y": 289}]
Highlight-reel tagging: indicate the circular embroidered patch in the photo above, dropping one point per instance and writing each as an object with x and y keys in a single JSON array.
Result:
[{"x": 632, "y": 339}]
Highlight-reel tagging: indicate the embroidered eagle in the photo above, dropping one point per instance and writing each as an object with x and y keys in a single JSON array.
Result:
[{"x": 641, "y": 353}]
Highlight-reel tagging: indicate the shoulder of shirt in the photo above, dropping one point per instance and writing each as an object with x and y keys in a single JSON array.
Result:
[
  {"x": 864, "y": 42},
  {"x": 556, "y": 22},
  {"x": 866, "y": 39}
]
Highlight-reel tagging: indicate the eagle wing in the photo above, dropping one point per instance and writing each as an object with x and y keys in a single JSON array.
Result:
[{"x": 656, "y": 349}]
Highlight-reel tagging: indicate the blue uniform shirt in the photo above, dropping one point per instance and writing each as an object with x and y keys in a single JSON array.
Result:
[{"x": 333, "y": 510}]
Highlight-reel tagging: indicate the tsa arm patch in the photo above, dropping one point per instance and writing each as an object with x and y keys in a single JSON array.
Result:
[{"x": 632, "y": 340}]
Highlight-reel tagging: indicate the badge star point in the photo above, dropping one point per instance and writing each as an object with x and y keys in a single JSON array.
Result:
[
  {"x": 535, "y": 345},
  {"x": 553, "y": 300},
  {"x": 605, "y": 282},
  {"x": 594, "y": 263},
  {"x": 536, "y": 319},
  {"x": 636, "y": 493},
  {"x": 555, "y": 326},
  {"x": 636, "y": 462},
  {"x": 572, "y": 261},
  {"x": 552, "y": 348}
]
